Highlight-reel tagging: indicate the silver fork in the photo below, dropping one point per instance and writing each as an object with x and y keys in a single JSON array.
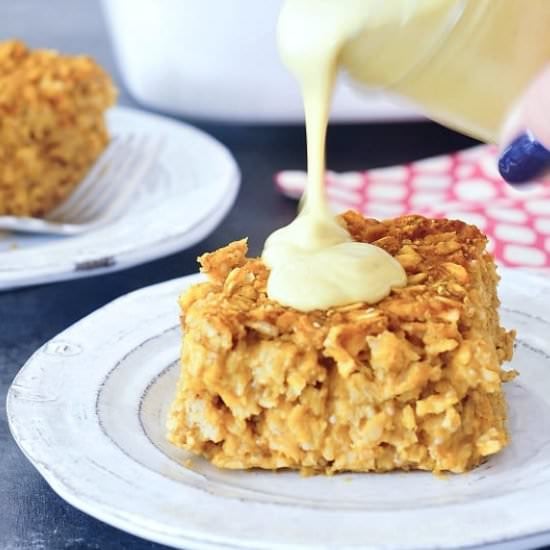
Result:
[{"x": 102, "y": 196}]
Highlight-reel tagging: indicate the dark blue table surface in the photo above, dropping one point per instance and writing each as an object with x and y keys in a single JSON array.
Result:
[{"x": 32, "y": 516}]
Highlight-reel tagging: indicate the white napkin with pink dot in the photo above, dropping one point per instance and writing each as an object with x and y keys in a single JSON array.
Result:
[{"x": 465, "y": 185}]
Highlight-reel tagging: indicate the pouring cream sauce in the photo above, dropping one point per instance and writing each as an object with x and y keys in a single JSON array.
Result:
[{"x": 314, "y": 262}]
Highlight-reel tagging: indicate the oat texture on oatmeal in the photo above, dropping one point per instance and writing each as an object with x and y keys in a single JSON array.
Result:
[
  {"x": 52, "y": 125},
  {"x": 413, "y": 382}
]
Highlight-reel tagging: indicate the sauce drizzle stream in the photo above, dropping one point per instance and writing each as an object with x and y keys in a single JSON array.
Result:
[{"x": 314, "y": 262}]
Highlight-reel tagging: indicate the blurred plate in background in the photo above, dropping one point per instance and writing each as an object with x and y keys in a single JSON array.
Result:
[{"x": 187, "y": 193}]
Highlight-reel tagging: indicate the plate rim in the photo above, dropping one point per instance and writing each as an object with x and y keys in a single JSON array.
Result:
[
  {"x": 144, "y": 254},
  {"x": 107, "y": 513}
]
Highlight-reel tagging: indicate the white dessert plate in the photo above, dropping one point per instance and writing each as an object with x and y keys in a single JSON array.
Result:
[
  {"x": 88, "y": 410},
  {"x": 186, "y": 194}
]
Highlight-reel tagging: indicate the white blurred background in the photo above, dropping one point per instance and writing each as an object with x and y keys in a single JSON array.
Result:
[{"x": 218, "y": 59}]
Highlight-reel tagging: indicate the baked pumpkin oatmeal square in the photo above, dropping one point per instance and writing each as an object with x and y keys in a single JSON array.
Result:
[
  {"x": 412, "y": 382},
  {"x": 52, "y": 125}
]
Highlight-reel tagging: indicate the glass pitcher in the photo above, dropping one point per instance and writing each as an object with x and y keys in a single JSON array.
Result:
[{"x": 465, "y": 62}]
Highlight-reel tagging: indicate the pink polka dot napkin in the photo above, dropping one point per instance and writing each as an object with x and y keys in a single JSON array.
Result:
[{"x": 465, "y": 185}]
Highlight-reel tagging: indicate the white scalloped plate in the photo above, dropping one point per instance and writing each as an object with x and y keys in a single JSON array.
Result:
[
  {"x": 186, "y": 194},
  {"x": 88, "y": 410}
]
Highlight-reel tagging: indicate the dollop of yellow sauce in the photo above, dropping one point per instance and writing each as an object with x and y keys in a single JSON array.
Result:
[{"x": 314, "y": 262}]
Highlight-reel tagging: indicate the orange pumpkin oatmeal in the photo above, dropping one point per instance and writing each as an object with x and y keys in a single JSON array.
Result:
[
  {"x": 52, "y": 125},
  {"x": 412, "y": 382}
]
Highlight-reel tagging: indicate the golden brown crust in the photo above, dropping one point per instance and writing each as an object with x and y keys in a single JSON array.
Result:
[
  {"x": 413, "y": 382},
  {"x": 51, "y": 125}
]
